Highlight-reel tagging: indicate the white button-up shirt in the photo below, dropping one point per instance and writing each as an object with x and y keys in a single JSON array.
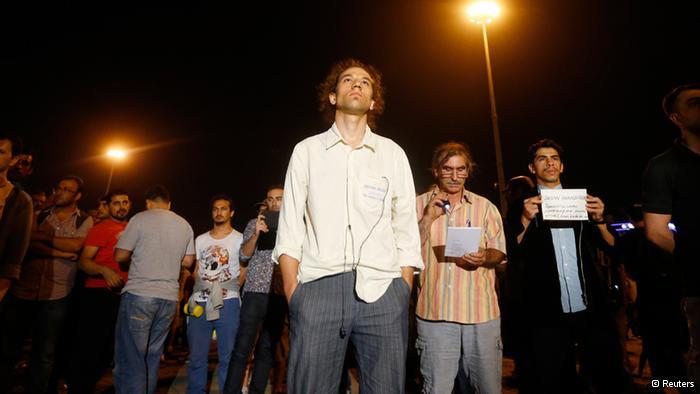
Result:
[{"x": 346, "y": 208}]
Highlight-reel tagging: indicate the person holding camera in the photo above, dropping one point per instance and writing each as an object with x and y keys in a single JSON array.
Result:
[
  {"x": 458, "y": 319},
  {"x": 264, "y": 306}
]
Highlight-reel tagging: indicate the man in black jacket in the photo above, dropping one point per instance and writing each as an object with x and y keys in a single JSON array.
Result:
[{"x": 563, "y": 298}]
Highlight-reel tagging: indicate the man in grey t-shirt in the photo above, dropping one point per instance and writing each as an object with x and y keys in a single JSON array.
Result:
[{"x": 154, "y": 245}]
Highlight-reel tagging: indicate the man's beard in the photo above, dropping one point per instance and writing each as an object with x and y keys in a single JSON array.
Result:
[{"x": 121, "y": 215}]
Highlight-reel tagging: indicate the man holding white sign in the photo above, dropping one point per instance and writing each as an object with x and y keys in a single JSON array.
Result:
[
  {"x": 564, "y": 204},
  {"x": 457, "y": 308},
  {"x": 554, "y": 247}
]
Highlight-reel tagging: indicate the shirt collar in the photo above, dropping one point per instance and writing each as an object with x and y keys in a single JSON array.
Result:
[
  {"x": 74, "y": 213},
  {"x": 332, "y": 137},
  {"x": 557, "y": 187},
  {"x": 466, "y": 195}
]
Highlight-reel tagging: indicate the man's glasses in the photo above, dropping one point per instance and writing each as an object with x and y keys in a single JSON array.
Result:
[{"x": 461, "y": 172}]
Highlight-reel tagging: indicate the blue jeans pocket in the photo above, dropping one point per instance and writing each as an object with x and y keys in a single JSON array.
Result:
[{"x": 139, "y": 322}]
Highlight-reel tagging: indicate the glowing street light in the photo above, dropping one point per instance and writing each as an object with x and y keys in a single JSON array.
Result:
[
  {"x": 482, "y": 13},
  {"x": 114, "y": 155}
]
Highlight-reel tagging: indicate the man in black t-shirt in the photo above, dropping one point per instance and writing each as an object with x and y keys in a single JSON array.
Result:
[{"x": 672, "y": 193}]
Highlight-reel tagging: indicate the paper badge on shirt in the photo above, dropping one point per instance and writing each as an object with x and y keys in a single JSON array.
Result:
[{"x": 373, "y": 189}]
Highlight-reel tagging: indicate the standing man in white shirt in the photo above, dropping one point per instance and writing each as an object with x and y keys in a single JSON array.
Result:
[
  {"x": 216, "y": 286},
  {"x": 348, "y": 242}
]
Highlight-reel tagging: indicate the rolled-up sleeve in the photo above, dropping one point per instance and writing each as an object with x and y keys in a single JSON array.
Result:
[
  {"x": 189, "y": 249},
  {"x": 247, "y": 235},
  {"x": 404, "y": 220},
  {"x": 291, "y": 229},
  {"x": 130, "y": 237}
]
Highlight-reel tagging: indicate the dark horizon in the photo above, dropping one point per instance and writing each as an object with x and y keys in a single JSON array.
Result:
[{"x": 224, "y": 95}]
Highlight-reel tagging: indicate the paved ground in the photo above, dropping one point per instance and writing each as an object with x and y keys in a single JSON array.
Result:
[{"x": 173, "y": 380}]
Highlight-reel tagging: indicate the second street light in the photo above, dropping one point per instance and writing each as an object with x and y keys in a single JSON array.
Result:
[
  {"x": 113, "y": 155},
  {"x": 482, "y": 13}
]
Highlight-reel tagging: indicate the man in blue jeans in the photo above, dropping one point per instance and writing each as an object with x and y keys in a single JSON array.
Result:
[
  {"x": 216, "y": 291},
  {"x": 37, "y": 304},
  {"x": 155, "y": 244}
]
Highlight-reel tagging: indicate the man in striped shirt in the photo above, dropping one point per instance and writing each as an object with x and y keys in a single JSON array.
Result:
[{"x": 458, "y": 317}]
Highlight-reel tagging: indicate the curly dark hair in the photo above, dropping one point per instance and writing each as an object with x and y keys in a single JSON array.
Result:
[{"x": 330, "y": 84}]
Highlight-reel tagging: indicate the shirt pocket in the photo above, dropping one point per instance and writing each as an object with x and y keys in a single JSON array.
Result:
[{"x": 372, "y": 191}]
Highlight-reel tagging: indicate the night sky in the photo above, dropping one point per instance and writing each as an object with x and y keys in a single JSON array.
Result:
[{"x": 217, "y": 98}]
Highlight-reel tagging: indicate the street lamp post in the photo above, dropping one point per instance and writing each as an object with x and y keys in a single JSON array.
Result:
[
  {"x": 113, "y": 155},
  {"x": 483, "y": 13}
]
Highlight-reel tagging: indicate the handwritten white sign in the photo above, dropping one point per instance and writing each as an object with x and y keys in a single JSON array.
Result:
[
  {"x": 462, "y": 240},
  {"x": 564, "y": 204}
]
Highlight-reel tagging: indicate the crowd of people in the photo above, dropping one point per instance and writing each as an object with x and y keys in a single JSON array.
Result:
[{"x": 335, "y": 251}]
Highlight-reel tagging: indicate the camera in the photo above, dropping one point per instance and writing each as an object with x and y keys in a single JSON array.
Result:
[{"x": 266, "y": 241}]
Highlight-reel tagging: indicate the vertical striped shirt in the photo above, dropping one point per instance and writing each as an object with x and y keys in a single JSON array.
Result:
[{"x": 448, "y": 292}]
